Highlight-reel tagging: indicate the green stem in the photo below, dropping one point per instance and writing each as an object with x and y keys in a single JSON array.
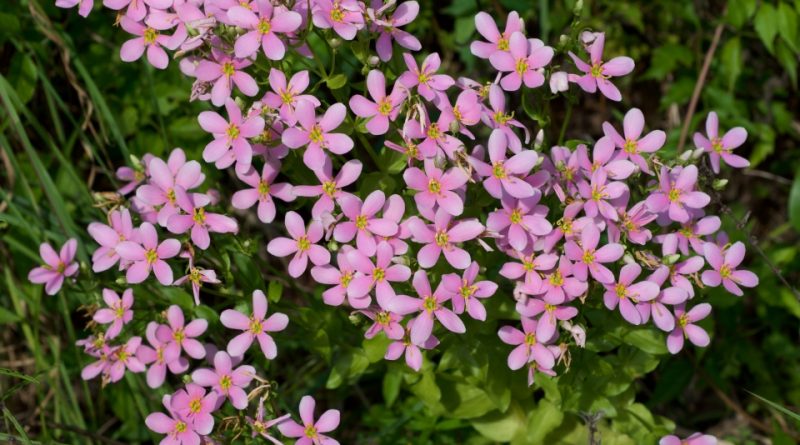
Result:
[{"x": 565, "y": 123}]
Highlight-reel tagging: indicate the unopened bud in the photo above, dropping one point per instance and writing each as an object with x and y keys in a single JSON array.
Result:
[
  {"x": 685, "y": 155},
  {"x": 538, "y": 140},
  {"x": 373, "y": 61},
  {"x": 671, "y": 259},
  {"x": 559, "y": 82},
  {"x": 121, "y": 281},
  {"x": 355, "y": 319},
  {"x": 697, "y": 153},
  {"x": 719, "y": 184},
  {"x": 628, "y": 259},
  {"x": 454, "y": 126},
  {"x": 333, "y": 246},
  {"x": 578, "y": 7},
  {"x": 563, "y": 39},
  {"x": 335, "y": 42},
  {"x": 539, "y": 161}
]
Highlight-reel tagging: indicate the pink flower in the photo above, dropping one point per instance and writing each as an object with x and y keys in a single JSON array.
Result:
[
  {"x": 161, "y": 356},
  {"x": 550, "y": 315},
  {"x": 260, "y": 427},
  {"x": 412, "y": 351},
  {"x": 524, "y": 62},
  {"x": 690, "y": 234},
  {"x": 115, "y": 361},
  {"x": 725, "y": 271},
  {"x": 57, "y": 266},
  {"x": 678, "y": 273},
  {"x": 198, "y": 220},
  {"x": 230, "y": 137},
  {"x": 147, "y": 38},
  {"x": 341, "y": 276},
  {"x": 656, "y": 307},
  {"x": 387, "y": 28},
  {"x": 503, "y": 175},
  {"x": 627, "y": 295},
  {"x": 226, "y": 381},
  {"x": 559, "y": 285},
  {"x": 362, "y": 223},
  {"x": 721, "y": 147},
  {"x": 263, "y": 29},
  {"x": 442, "y": 236},
  {"x": 436, "y": 140},
  {"x": 178, "y": 430},
  {"x": 383, "y": 109},
  {"x": 597, "y": 74},
  {"x": 436, "y": 187},
  {"x": 330, "y": 188},
  {"x": 407, "y": 147},
  {"x": 311, "y": 431},
  {"x": 685, "y": 327},
  {"x": 634, "y": 144},
  {"x": 344, "y": 16},
  {"x": 428, "y": 83},
  {"x": 589, "y": 259},
  {"x": 224, "y": 72},
  {"x": 497, "y": 118},
  {"x": 108, "y": 237},
  {"x": 161, "y": 189},
  {"x": 497, "y": 42},
  {"x": 378, "y": 275},
  {"x": 197, "y": 277},
  {"x": 84, "y": 6},
  {"x": 529, "y": 265},
  {"x": 195, "y": 406},
  {"x": 317, "y": 134},
  {"x": 466, "y": 111},
  {"x": 429, "y": 304},
  {"x": 602, "y": 154},
  {"x": 385, "y": 321},
  {"x": 465, "y": 292},
  {"x": 255, "y": 327},
  {"x": 694, "y": 439},
  {"x": 632, "y": 223},
  {"x": 183, "y": 335},
  {"x": 528, "y": 346},
  {"x": 136, "y": 10},
  {"x": 520, "y": 220},
  {"x": 598, "y": 193},
  {"x": 118, "y": 313},
  {"x": 302, "y": 244},
  {"x": 262, "y": 191},
  {"x": 286, "y": 96},
  {"x": 676, "y": 193},
  {"x": 147, "y": 254}
]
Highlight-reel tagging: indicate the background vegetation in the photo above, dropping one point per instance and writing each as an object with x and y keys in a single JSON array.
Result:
[{"x": 71, "y": 111}]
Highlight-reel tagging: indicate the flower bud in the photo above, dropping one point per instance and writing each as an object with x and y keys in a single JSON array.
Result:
[
  {"x": 559, "y": 82},
  {"x": 719, "y": 184},
  {"x": 697, "y": 153},
  {"x": 628, "y": 258},
  {"x": 578, "y": 7},
  {"x": 335, "y": 42},
  {"x": 121, "y": 281},
  {"x": 454, "y": 126},
  {"x": 685, "y": 155},
  {"x": 563, "y": 39},
  {"x": 671, "y": 259},
  {"x": 538, "y": 140},
  {"x": 587, "y": 37},
  {"x": 333, "y": 246},
  {"x": 373, "y": 61}
]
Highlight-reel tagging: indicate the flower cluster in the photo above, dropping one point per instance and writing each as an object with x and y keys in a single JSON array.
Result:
[{"x": 565, "y": 223}]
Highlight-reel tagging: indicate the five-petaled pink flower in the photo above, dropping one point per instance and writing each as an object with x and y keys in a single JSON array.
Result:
[
  {"x": 430, "y": 305},
  {"x": 311, "y": 432},
  {"x": 330, "y": 188},
  {"x": 382, "y": 108},
  {"x": 597, "y": 73},
  {"x": 633, "y": 144},
  {"x": 262, "y": 191},
  {"x": 224, "y": 72},
  {"x": 255, "y": 327},
  {"x": 57, "y": 266},
  {"x": 628, "y": 294},
  {"x": 303, "y": 244},
  {"x": 725, "y": 271},
  {"x": 109, "y": 236},
  {"x": 166, "y": 178},
  {"x": 198, "y": 220},
  {"x": 316, "y": 134},
  {"x": 162, "y": 354},
  {"x": 504, "y": 175},
  {"x": 436, "y": 187},
  {"x": 118, "y": 313},
  {"x": 147, "y": 255},
  {"x": 524, "y": 62},
  {"x": 412, "y": 351},
  {"x": 497, "y": 42},
  {"x": 184, "y": 335},
  {"x": 676, "y": 194},
  {"x": 193, "y": 404},
  {"x": 528, "y": 346},
  {"x": 225, "y": 380},
  {"x": 441, "y": 237},
  {"x": 344, "y": 16},
  {"x": 263, "y": 29},
  {"x": 465, "y": 292},
  {"x": 175, "y": 426},
  {"x": 387, "y": 28},
  {"x": 424, "y": 77},
  {"x": 376, "y": 275},
  {"x": 362, "y": 224},
  {"x": 721, "y": 147},
  {"x": 147, "y": 38},
  {"x": 520, "y": 220},
  {"x": 230, "y": 137},
  {"x": 285, "y": 97},
  {"x": 589, "y": 259},
  {"x": 685, "y": 327}
]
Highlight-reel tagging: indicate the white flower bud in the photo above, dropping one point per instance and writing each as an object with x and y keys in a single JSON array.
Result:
[
  {"x": 373, "y": 61},
  {"x": 685, "y": 155},
  {"x": 697, "y": 153},
  {"x": 559, "y": 82},
  {"x": 538, "y": 140}
]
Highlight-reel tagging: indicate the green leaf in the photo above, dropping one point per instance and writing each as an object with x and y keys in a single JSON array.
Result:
[
  {"x": 740, "y": 11},
  {"x": 666, "y": 59},
  {"x": 7, "y": 316},
  {"x": 427, "y": 390},
  {"x": 545, "y": 419},
  {"x": 336, "y": 82},
  {"x": 375, "y": 347},
  {"x": 464, "y": 400},
  {"x": 764, "y": 147},
  {"x": 766, "y": 25},
  {"x": 22, "y": 75},
  {"x": 648, "y": 340},
  {"x": 794, "y": 202},
  {"x": 274, "y": 291},
  {"x": 793, "y": 415},
  {"x": 391, "y": 384},
  {"x": 501, "y": 427},
  {"x": 348, "y": 367},
  {"x": 788, "y": 59},
  {"x": 731, "y": 56},
  {"x": 787, "y": 25}
]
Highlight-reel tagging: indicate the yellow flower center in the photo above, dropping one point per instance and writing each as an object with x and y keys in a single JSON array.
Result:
[
  {"x": 315, "y": 134},
  {"x": 199, "y": 216},
  {"x": 378, "y": 274},
  {"x": 621, "y": 291},
  {"x": 232, "y": 131},
  {"x": 287, "y": 97},
  {"x": 674, "y": 195},
  {"x": 337, "y": 15},
  {"x": 151, "y": 256},
  {"x": 687, "y": 231},
  {"x": 119, "y": 312},
  {"x": 361, "y": 222},
  {"x": 516, "y": 216},
  {"x": 264, "y": 26},
  {"x": 556, "y": 279},
  {"x": 430, "y": 304},
  {"x": 501, "y": 118},
  {"x": 303, "y": 244},
  {"x": 502, "y": 43},
  {"x": 530, "y": 339},
  {"x": 61, "y": 268},
  {"x": 411, "y": 150},
  {"x": 329, "y": 188},
  {"x": 565, "y": 225},
  {"x": 225, "y": 382},
  {"x": 171, "y": 196},
  {"x": 150, "y": 36},
  {"x": 598, "y": 194},
  {"x": 383, "y": 318},
  {"x": 434, "y": 186},
  {"x": 195, "y": 276},
  {"x": 228, "y": 69},
  {"x": 631, "y": 146},
  {"x": 457, "y": 113},
  {"x": 467, "y": 291},
  {"x": 385, "y": 107},
  {"x": 434, "y": 132},
  {"x": 345, "y": 279},
  {"x": 441, "y": 238},
  {"x": 725, "y": 271},
  {"x": 423, "y": 77},
  {"x": 195, "y": 406},
  {"x": 716, "y": 145},
  {"x": 522, "y": 66},
  {"x": 498, "y": 171},
  {"x": 180, "y": 426},
  {"x": 311, "y": 431},
  {"x": 255, "y": 326},
  {"x": 263, "y": 189},
  {"x": 588, "y": 257},
  {"x": 683, "y": 320},
  {"x": 178, "y": 336},
  {"x": 597, "y": 70}
]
